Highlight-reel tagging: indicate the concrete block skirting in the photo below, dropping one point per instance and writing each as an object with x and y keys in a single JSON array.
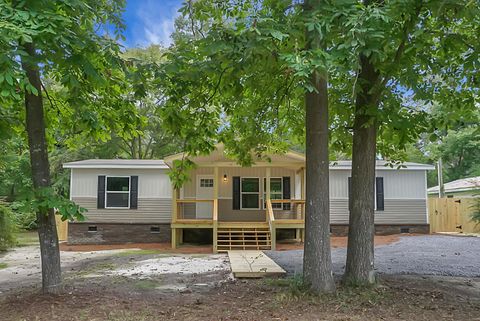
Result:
[
  {"x": 117, "y": 233},
  {"x": 384, "y": 229}
]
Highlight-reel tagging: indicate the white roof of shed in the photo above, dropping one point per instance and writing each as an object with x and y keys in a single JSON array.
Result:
[
  {"x": 460, "y": 185},
  {"x": 118, "y": 163}
]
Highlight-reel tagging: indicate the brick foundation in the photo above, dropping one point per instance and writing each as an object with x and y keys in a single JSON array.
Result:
[
  {"x": 384, "y": 229},
  {"x": 117, "y": 233}
]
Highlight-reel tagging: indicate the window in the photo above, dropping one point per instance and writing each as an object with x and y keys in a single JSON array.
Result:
[
  {"x": 117, "y": 193},
  {"x": 276, "y": 192},
  {"x": 206, "y": 182},
  {"x": 250, "y": 193},
  {"x": 378, "y": 196}
]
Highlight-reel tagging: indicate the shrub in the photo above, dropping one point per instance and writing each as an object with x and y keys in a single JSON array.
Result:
[
  {"x": 25, "y": 220},
  {"x": 476, "y": 209},
  {"x": 7, "y": 228}
]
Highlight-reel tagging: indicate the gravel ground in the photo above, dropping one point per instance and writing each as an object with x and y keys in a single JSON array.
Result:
[{"x": 421, "y": 255}]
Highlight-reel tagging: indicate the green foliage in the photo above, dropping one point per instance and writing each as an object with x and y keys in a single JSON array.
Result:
[
  {"x": 44, "y": 199},
  {"x": 460, "y": 152},
  {"x": 7, "y": 228},
  {"x": 25, "y": 220},
  {"x": 294, "y": 287},
  {"x": 476, "y": 208},
  {"x": 238, "y": 73}
]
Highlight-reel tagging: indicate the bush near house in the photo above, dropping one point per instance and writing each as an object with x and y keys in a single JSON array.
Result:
[
  {"x": 476, "y": 209},
  {"x": 24, "y": 219},
  {"x": 7, "y": 228}
]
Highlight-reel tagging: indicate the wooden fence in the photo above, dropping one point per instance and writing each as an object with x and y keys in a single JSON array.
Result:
[
  {"x": 62, "y": 228},
  {"x": 453, "y": 215}
]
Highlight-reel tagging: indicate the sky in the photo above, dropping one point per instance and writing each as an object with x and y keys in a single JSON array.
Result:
[{"x": 150, "y": 22}]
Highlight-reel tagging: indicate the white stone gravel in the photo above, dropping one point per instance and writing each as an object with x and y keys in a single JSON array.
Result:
[
  {"x": 421, "y": 255},
  {"x": 183, "y": 264}
]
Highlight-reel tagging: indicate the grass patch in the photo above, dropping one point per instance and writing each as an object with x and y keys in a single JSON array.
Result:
[
  {"x": 96, "y": 268},
  {"x": 26, "y": 238},
  {"x": 3, "y": 265},
  {"x": 146, "y": 284},
  {"x": 293, "y": 289}
]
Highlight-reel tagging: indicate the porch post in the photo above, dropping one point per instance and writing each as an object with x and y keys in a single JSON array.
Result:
[
  {"x": 301, "y": 232},
  {"x": 174, "y": 237},
  {"x": 267, "y": 196},
  {"x": 267, "y": 188},
  {"x": 216, "y": 182}
]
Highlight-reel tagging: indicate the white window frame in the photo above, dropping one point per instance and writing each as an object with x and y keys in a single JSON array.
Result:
[
  {"x": 117, "y": 192},
  {"x": 205, "y": 179},
  {"x": 258, "y": 193},
  {"x": 264, "y": 200}
]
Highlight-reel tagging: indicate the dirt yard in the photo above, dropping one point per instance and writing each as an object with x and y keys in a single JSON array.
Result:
[
  {"x": 153, "y": 284},
  {"x": 120, "y": 299}
]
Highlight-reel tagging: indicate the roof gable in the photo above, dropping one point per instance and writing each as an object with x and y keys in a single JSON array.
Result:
[{"x": 218, "y": 156}]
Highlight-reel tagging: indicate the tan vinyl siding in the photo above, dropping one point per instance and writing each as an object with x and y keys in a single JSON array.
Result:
[
  {"x": 189, "y": 187},
  {"x": 225, "y": 188},
  {"x": 150, "y": 210},
  {"x": 397, "y": 211}
]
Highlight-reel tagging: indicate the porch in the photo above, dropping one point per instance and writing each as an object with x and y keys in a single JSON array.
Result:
[
  {"x": 242, "y": 206},
  {"x": 239, "y": 235}
]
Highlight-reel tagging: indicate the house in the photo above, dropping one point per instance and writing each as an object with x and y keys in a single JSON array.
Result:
[
  {"x": 238, "y": 207},
  {"x": 460, "y": 188}
]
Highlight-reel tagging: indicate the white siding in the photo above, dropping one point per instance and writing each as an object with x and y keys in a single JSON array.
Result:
[
  {"x": 225, "y": 188},
  {"x": 398, "y": 184},
  {"x": 152, "y": 183},
  {"x": 397, "y": 211}
]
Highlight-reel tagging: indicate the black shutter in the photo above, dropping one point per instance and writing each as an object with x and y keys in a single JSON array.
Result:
[
  {"x": 236, "y": 192},
  {"x": 380, "y": 194},
  {"x": 349, "y": 193},
  {"x": 101, "y": 192},
  {"x": 134, "y": 192},
  {"x": 286, "y": 192}
]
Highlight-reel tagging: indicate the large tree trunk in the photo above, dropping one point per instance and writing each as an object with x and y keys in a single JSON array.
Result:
[
  {"x": 47, "y": 231},
  {"x": 360, "y": 252},
  {"x": 317, "y": 262}
]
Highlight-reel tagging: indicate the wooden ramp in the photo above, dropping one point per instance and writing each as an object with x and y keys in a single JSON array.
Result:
[{"x": 253, "y": 264}]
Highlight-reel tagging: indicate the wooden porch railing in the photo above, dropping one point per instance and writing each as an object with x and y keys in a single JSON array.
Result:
[
  {"x": 181, "y": 209},
  {"x": 297, "y": 207},
  {"x": 297, "y": 222},
  {"x": 271, "y": 223},
  {"x": 215, "y": 225}
]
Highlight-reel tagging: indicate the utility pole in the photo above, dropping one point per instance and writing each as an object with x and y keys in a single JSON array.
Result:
[{"x": 441, "y": 188}]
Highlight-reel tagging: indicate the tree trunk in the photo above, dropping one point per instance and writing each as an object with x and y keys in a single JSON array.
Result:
[
  {"x": 317, "y": 262},
  {"x": 360, "y": 251},
  {"x": 35, "y": 124}
]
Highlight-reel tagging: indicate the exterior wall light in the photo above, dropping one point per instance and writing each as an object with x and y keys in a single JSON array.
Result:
[{"x": 225, "y": 178}]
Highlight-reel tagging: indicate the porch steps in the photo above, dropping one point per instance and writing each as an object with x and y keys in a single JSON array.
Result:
[{"x": 243, "y": 238}]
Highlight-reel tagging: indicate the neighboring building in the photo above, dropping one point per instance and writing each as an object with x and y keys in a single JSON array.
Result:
[
  {"x": 133, "y": 201},
  {"x": 463, "y": 188}
]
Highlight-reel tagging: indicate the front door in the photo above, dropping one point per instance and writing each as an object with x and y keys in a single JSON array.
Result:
[{"x": 204, "y": 210}]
